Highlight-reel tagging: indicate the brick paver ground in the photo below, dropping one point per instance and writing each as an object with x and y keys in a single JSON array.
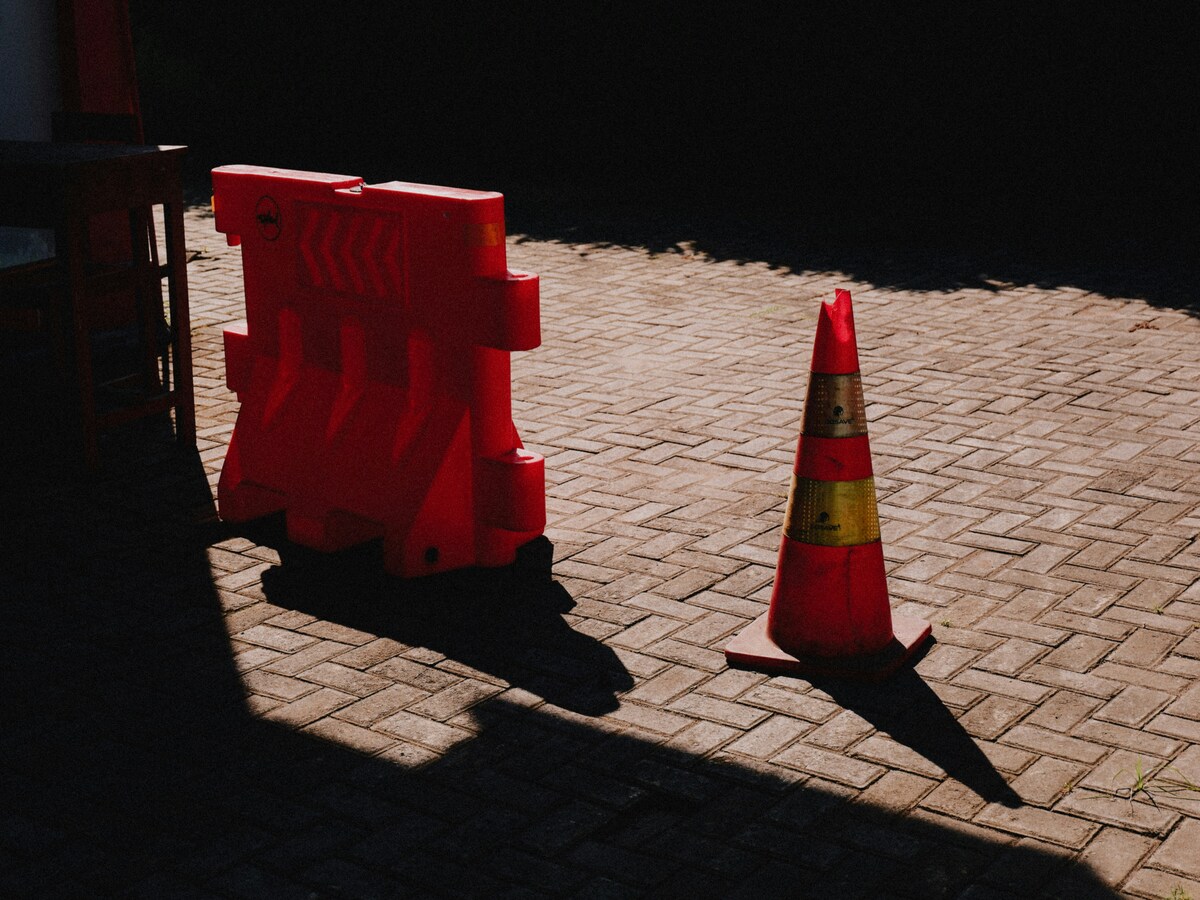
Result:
[{"x": 202, "y": 710}]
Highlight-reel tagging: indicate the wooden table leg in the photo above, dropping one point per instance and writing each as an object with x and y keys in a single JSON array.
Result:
[
  {"x": 185, "y": 410},
  {"x": 147, "y": 298},
  {"x": 74, "y": 238}
]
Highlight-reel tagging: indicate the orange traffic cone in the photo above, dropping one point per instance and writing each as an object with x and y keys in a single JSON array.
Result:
[{"x": 829, "y": 612}]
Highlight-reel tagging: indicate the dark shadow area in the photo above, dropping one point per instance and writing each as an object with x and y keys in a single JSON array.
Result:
[
  {"x": 935, "y": 148},
  {"x": 906, "y": 709},
  {"x": 1162, "y": 277},
  {"x": 133, "y": 768},
  {"x": 505, "y": 622}
]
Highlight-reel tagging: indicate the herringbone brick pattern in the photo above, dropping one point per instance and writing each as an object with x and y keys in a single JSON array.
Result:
[{"x": 1038, "y": 463}]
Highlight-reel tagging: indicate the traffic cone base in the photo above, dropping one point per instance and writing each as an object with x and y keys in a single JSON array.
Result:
[
  {"x": 754, "y": 649},
  {"x": 830, "y": 601}
]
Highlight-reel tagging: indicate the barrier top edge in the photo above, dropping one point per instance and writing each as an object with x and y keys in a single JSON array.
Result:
[
  {"x": 432, "y": 190},
  {"x": 349, "y": 181},
  {"x": 290, "y": 174}
]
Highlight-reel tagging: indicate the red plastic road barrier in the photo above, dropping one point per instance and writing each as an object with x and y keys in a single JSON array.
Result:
[
  {"x": 373, "y": 368},
  {"x": 829, "y": 612}
]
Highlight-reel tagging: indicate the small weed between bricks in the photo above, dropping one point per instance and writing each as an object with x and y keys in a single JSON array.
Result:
[
  {"x": 767, "y": 311},
  {"x": 1178, "y": 893},
  {"x": 1170, "y": 782}
]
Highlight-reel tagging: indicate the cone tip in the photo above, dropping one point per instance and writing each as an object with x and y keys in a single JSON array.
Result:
[{"x": 836, "y": 348}]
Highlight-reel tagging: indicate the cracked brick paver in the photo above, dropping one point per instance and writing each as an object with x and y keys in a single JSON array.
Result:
[{"x": 204, "y": 712}]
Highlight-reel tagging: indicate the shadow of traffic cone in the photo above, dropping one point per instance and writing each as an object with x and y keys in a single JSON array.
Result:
[{"x": 829, "y": 612}]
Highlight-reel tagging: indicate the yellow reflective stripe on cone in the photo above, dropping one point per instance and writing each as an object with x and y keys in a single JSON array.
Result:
[
  {"x": 832, "y": 513},
  {"x": 834, "y": 406}
]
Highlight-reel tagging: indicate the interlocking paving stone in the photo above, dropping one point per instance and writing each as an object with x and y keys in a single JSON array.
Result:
[
  {"x": 374, "y": 707},
  {"x": 1156, "y": 884},
  {"x": 1113, "y": 854},
  {"x": 830, "y": 765},
  {"x": 703, "y": 738},
  {"x": 1119, "y": 811},
  {"x": 304, "y": 659},
  {"x": 277, "y": 686},
  {"x": 311, "y": 707},
  {"x": 1181, "y": 851},
  {"x": 992, "y": 717},
  {"x": 1052, "y": 827},
  {"x": 1188, "y": 704},
  {"x": 345, "y": 679},
  {"x": 276, "y": 638},
  {"x": 432, "y": 734}
]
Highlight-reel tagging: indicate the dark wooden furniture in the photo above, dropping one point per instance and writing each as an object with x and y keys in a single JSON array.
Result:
[{"x": 62, "y": 186}]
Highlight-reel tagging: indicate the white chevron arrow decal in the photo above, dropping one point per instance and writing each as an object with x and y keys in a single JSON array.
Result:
[{"x": 353, "y": 253}]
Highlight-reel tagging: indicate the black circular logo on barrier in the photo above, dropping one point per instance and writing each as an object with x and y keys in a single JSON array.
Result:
[
  {"x": 823, "y": 517},
  {"x": 266, "y": 213},
  {"x": 837, "y": 410}
]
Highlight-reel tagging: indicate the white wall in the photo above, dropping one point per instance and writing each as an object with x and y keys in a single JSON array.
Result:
[
  {"x": 28, "y": 69},
  {"x": 28, "y": 97}
]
